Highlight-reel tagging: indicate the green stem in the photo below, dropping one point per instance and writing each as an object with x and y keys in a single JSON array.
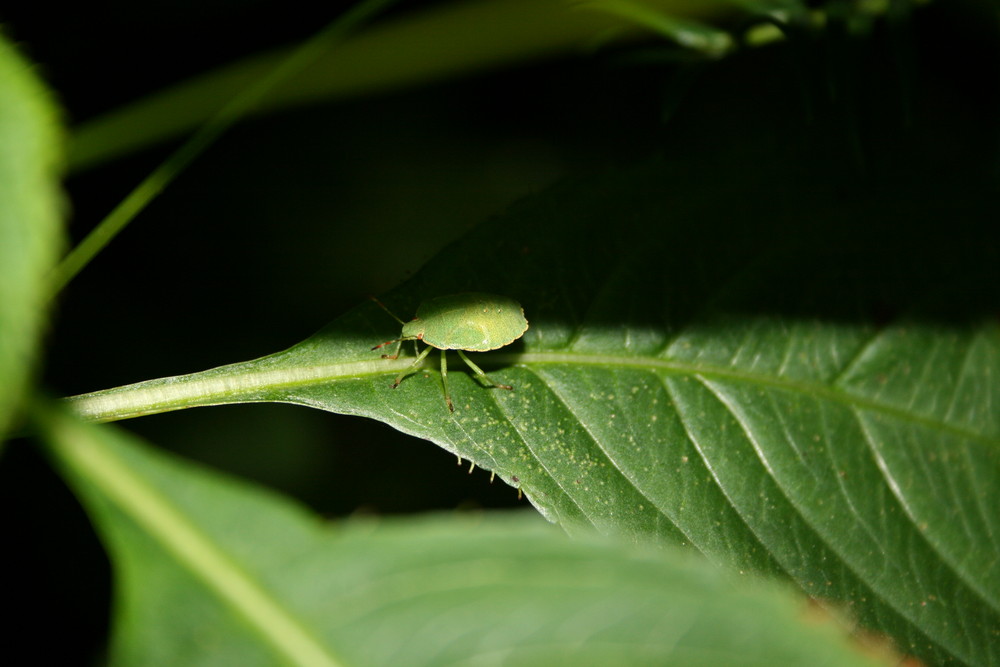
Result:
[
  {"x": 237, "y": 108},
  {"x": 257, "y": 381}
]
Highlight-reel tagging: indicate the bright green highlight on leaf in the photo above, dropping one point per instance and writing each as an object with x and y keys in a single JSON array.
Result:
[
  {"x": 203, "y": 560},
  {"x": 468, "y": 322},
  {"x": 31, "y": 209}
]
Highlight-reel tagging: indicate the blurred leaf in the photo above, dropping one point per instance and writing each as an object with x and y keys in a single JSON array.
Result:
[
  {"x": 448, "y": 40},
  {"x": 213, "y": 571},
  {"x": 810, "y": 393},
  {"x": 30, "y": 208},
  {"x": 441, "y": 42},
  {"x": 686, "y": 33}
]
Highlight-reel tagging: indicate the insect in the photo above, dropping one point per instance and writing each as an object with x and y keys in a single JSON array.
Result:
[{"x": 469, "y": 322}]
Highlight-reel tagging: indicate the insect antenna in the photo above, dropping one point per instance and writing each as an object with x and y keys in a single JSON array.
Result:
[
  {"x": 386, "y": 309},
  {"x": 388, "y": 342}
]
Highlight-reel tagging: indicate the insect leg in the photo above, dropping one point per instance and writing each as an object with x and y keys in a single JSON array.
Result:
[
  {"x": 409, "y": 369},
  {"x": 480, "y": 373},
  {"x": 390, "y": 342},
  {"x": 444, "y": 380}
]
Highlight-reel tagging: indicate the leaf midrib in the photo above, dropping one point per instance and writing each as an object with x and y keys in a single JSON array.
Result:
[
  {"x": 279, "y": 627},
  {"x": 227, "y": 385}
]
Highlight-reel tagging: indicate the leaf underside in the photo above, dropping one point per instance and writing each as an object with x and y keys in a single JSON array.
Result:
[{"x": 813, "y": 397}]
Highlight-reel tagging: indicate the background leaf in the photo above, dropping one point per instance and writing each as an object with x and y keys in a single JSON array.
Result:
[
  {"x": 29, "y": 219},
  {"x": 438, "y": 43},
  {"x": 203, "y": 560},
  {"x": 808, "y": 399}
]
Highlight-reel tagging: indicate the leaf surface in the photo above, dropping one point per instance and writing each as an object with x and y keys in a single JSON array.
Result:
[
  {"x": 29, "y": 219},
  {"x": 813, "y": 398},
  {"x": 212, "y": 571}
]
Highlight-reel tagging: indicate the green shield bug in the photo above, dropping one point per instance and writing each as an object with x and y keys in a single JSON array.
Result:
[{"x": 469, "y": 322}]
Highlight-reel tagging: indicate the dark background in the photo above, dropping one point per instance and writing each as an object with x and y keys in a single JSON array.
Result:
[{"x": 291, "y": 219}]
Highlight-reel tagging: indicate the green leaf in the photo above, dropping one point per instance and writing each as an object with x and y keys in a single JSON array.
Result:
[
  {"x": 687, "y": 33},
  {"x": 438, "y": 43},
  {"x": 811, "y": 394},
  {"x": 213, "y": 571},
  {"x": 30, "y": 208}
]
